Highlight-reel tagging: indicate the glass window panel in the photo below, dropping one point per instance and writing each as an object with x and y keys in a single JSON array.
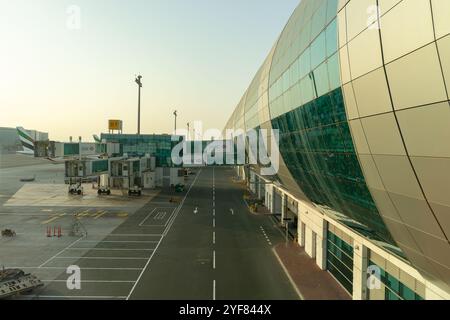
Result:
[
  {"x": 332, "y": 40},
  {"x": 319, "y": 19},
  {"x": 305, "y": 63},
  {"x": 332, "y": 9},
  {"x": 318, "y": 50},
  {"x": 305, "y": 36},
  {"x": 333, "y": 72},
  {"x": 307, "y": 90},
  {"x": 321, "y": 80}
]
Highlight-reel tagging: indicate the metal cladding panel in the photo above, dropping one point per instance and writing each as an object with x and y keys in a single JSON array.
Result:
[
  {"x": 396, "y": 96},
  {"x": 360, "y": 95}
]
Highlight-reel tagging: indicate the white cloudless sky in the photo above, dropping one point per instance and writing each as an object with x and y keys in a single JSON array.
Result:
[{"x": 195, "y": 56}]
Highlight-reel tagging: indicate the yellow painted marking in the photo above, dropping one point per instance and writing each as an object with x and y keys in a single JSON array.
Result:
[
  {"x": 53, "y": 218},
  {"x": 100, "y": 214},
  {"x": 84, "y": 213},
  {"x": 122, "y": 215}
]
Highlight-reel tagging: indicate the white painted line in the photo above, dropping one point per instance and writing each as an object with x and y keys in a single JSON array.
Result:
[
  {"x": 169, "y": 226},
  {"x": 214, "y": 212},
  {"x": 78, "y": 297},
  {"x": 105, "y": 241},
  {"x": 65, "y": 268},
  {"x": 214, "y": 223},
  {"x": 107, "y": 249},
  {"x": 288, "y": 275},
  {"x": 214, "y": 290},
  {"x": 69, "y": 246},
  {"x": 102, "y": 258},
  {"x": 148, "y": 216},
  {"x": 232, "y": 212},
  {"x": 214, "y": 237},
  {"x": 214, "y": 259},
  {"x": 159, "y": 216},
  {"x": 90, "y": 281},
  {"x": 133, "y": 235}
]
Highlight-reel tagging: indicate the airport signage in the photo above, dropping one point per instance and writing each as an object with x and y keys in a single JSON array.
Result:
[{"x": 115, "y": 125}]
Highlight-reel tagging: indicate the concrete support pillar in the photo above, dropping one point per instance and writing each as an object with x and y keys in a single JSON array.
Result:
[
  {"x": 301, "y": 233},
  {"x": 260, "y": 188},
  {"x": 310, "y": 243},
  {"x": 360, "y": 265},
  {"x": 283, "y": 209},
  {"x": 321, "y": 245},
  {"x": 272, "y": 200},
  {"x": 312, "y": 234}
]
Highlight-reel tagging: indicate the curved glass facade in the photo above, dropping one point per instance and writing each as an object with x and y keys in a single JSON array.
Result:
[{"x": 359, "y": 91}]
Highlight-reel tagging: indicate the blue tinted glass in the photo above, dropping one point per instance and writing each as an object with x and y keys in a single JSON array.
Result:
[
  {"x": 333, "y": 72},
  {"x": 305, "y": 37},
  {"x": 307, "y": 90},
  {"x": 321, "y": 79},
  {"x": 319, "y": 20},
  {"x": 305, "y": 63},
  {"x": 332, "y": 9},
  {"x": 332, "y": 40},
  {"x": 318, "y": 50}
]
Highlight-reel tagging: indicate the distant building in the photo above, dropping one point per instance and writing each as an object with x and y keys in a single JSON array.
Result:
[
  {"x": 158, "y": 146},
  {"x": 9, "y": 140}
]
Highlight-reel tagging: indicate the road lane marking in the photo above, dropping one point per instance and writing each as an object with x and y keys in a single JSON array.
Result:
[
  {"x": 105, "y": 241},
  {"x": 100, "y": 214},
  {"x": 148, "y": 216},
  {"x": 214, "y": 237},
  {"x": 214, "y": 212},
  {"x": 54, "y": 218},
  {"x": 288, "y": 274},
  {"x": 214, "y": 222},
  {"x": 232, "y": 212},
  {"x": 78, "y": 297},
  {"x": 214, "y": 290},
  {"x": 214, "y": 259},
  {"x": 160, "y": 216},
  {"x": 69, "y": 246},
  {"x": 91, "y": 281},
  {"x": 101, "y": 258},
  {"x": 65, "y": 268},
  {"x": 169, "y": 226},
  {"x": 108, "y": 249}
]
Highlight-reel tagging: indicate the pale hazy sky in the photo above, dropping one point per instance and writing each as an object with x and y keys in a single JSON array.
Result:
[{"x": 196, "y": 56}]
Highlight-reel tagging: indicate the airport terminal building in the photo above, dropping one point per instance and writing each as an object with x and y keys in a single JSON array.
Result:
[{"x": 361, "y": 102}]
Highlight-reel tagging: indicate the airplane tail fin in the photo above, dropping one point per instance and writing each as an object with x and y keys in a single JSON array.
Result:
[
  {"x": 97, "y": 139},
  {"x": 26, "y": 141}
]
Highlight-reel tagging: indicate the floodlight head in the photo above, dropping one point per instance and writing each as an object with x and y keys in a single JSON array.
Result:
[{"x": 138, "y": 80}]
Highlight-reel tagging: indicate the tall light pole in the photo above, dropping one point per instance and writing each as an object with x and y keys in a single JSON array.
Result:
[
  {"x": 139, "y": 83},
  {"x": 175, "y": 113}
]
